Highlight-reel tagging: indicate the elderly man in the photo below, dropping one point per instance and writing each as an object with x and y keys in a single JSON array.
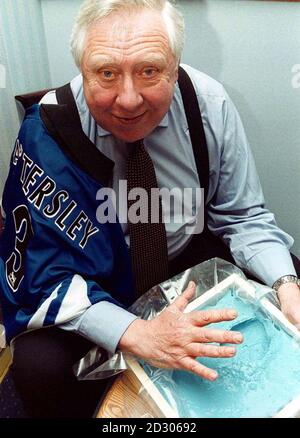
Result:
[{"x": 63, "y": 271}]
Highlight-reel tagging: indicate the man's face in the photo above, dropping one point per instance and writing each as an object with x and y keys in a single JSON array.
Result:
[{"x": 129, "y": 73}]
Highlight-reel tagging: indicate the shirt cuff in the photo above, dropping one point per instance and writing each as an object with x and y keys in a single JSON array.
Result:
[
  {"x": 103, "y": 323},
  {"x": 271, "y": 264}
]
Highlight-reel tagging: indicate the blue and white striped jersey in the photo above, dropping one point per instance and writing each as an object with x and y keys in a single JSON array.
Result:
[{"x": 56, "y": 260}]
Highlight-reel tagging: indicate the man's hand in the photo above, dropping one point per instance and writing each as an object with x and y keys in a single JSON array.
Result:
[
  {"x": 289, "y": 297},
  {"x": 174, "y": 339}
]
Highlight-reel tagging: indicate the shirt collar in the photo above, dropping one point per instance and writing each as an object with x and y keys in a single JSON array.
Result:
[{"x": 162, "y": 124}]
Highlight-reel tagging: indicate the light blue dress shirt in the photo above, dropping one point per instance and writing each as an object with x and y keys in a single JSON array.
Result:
[{"x": 235, "y": 201}]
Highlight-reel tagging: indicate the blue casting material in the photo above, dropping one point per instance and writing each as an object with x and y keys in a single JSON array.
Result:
[{"x": 260, "y": 380}]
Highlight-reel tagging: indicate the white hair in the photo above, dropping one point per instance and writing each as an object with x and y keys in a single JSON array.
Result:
[{"x": 92, "y": 11}]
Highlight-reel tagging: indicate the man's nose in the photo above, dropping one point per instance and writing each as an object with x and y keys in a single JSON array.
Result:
[{"x": 129, "y": 96}]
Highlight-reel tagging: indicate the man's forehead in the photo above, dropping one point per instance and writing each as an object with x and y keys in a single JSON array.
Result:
[
  {"x": 102, "y": 49},
  {"x": 111, "y": 58}
]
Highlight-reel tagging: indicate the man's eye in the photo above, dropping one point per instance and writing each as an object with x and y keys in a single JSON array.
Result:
[
  {"x": 149, "y": 72},
  {"x": 107, "y": 74}
]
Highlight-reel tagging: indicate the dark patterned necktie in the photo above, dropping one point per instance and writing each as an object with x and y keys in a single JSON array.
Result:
[{"x": 148, "y": 241}]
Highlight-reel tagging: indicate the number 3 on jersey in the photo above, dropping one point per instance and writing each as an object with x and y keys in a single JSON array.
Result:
[{"x": 24, "y": 232}]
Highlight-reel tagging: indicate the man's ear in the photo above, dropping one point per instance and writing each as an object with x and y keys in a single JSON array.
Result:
[{"x": 176, "y": 72}]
